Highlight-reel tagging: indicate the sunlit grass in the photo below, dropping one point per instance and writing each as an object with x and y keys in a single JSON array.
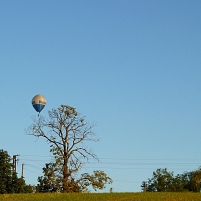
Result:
[{"x": 103, "y": 197}]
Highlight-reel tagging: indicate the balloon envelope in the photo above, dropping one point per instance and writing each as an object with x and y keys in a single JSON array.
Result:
[{"x": 38, "y": 102}]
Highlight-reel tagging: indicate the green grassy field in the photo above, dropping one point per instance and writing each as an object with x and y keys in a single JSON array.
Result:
[{"x": 103, "y": 197}]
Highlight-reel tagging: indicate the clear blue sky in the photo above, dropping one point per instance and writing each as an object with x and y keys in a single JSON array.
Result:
[{"x": 132, "y": 67}]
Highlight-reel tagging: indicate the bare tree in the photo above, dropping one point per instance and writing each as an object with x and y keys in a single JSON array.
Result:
[{"x": 66, "y": 132}]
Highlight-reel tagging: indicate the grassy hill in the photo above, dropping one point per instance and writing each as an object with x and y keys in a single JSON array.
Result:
[{"x": 103, "y": 197}]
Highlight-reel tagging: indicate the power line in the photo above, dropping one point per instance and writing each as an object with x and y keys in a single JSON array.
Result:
[
  {"x": 151, "y": 159},
  {"x": 38, "y": 156},
  {"x": 123, "y": 159},
  {"x": 157, "y": 163},
  {"x": 130, "y": 168},
  {"x": 31, "y": 171}
]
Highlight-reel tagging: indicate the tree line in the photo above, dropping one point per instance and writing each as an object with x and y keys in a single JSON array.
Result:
[{"x": 164, "y": 181}]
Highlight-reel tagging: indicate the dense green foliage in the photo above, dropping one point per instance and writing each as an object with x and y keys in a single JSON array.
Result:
[
  {"x": 96, "y": 180},
  {"x": 164, "y": 181},
  {"x": 51, "y": 182},
  {"x": 104, "y": 197},
  {"x": 9, "y": 182}
]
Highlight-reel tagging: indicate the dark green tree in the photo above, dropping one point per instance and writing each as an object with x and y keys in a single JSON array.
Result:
[
  {"x": 164, "y": 181},
  {"x": 5, "y": 172},
  {"x": 67, "y": 132},
  {"x": 9, "y": 182}
]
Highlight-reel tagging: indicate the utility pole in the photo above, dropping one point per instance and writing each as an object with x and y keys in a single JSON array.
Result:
[
  {"x": 144, "y": 186},
  {"x": 22, "y": 171},
  {"x": 14, "y": 163}
]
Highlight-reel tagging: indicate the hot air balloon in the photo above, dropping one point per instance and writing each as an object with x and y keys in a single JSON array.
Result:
[{"x": 38, "y": 102}]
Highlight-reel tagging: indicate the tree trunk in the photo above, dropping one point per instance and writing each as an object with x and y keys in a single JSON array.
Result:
[{"x": 65, "y": 173}]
